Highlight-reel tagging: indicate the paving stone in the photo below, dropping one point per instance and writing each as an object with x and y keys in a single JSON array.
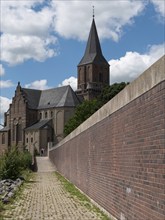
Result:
[{"x": 44, "y": 198}]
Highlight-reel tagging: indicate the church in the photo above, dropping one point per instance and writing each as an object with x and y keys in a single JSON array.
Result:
[{"x": 36, "y": 118}]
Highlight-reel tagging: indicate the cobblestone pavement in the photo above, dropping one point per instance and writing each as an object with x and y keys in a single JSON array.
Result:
[{"x": 45, "y": 198}]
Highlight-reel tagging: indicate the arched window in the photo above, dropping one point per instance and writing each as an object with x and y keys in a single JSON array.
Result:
[
  {"x": 88, "y": 77},
  {"x": 100, "y": 77},
  {"x": 85, "y": 74},
  {"x": 18, "y": 105},
  {"x": 79, "y": 76},
  {"x": 40, "y": 115},
  {"x": 14, "y": 129},
  {"x": 19, "y": 132},
  {"x": 3, "y": 138},
  {"x": 46, "y": 114},
  {"x": 51, "y": 114}
]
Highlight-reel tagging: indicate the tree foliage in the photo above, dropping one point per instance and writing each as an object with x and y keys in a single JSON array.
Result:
[
  {"x": 87, "y": 108},
  {"x": 109, "y": 92},
  {"x": 82, "y": 112}
]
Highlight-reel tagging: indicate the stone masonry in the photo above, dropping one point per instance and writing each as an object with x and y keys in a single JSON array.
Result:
[{"x": 44, "y": 198}]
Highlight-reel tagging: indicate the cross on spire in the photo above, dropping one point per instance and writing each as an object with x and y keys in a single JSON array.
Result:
[{"x": 93, "y": 11}]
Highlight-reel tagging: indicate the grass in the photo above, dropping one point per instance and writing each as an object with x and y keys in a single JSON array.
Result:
[{"x": 84, "y": 200}]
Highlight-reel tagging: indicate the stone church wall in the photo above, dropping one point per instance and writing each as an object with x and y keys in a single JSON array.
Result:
[
  {"x": 116, "y": 157},
  {"x": 4, "y": 139},
  {"x": 32, "y": 141}
]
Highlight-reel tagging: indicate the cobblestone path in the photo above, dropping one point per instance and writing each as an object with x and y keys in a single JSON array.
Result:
[{"x": 45, "y": 198}]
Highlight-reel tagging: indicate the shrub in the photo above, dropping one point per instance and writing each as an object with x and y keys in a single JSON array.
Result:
[
  {"x": 10, "y": 164},
  {"x": 13, "y": 162},
  {"x": 25, "y": 160}
]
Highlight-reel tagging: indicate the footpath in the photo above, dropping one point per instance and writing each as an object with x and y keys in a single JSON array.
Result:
[{"x": 44, "y": 198}]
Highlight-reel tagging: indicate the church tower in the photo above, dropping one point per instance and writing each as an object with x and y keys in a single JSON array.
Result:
[{"x": 93, "y": 69}]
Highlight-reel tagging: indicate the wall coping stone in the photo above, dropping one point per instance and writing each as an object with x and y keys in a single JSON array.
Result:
[{"x": 154, "y": 75}]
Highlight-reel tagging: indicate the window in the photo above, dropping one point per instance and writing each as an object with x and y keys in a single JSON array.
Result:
[
  {"x": 3, "y": 138},
  {"x": 79, "y": 72},
  {"x": 19, "y": 132},
  {"x": 27, "y": 140},
  {"x": 14, "y": 127},
  {"x": 31, "y": 140},
  {"x": 46, "y": 114},
  {"x": 100, "y": 77},
  {"x": 85, "y": 74},
  {"x": 88, "y": 75},
  {"x": 40, "y": 115},
  {"x": 51, "y": 114}
]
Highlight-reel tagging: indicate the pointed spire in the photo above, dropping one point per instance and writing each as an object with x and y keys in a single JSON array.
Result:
[{"x": 93, "y": 48}]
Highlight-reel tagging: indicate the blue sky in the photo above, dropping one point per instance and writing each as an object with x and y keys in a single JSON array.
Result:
[{"x": 42, "y": 41}]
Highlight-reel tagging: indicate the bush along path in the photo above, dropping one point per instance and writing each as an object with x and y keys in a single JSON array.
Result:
[
  {"x": 45, "y": 197},
  {"x": 14, "y": 169}
]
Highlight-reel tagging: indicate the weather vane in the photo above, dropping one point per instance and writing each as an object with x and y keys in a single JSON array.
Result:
[{"x": 93, "y": 11}]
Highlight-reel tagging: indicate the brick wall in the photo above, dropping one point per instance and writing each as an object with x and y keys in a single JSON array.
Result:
[{"x": 119, "y": 162}]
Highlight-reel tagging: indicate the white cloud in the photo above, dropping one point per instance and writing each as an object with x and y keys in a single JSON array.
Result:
[
  {"x": 4, "y": 106},
  {"x": 73, "y": 18},
  {"x": 38, "y": 84},
  {"x": 72, "y": 81},
  {"x": 2, "y": 70},
  {"x": 6, "y": 84},
  {"x": 26, "y": 32},
  {"x": 20, "y": 4},
  {"x": 159, "y": 6},
  {"x": 29, "y": 27},
  {"x": 22, "y": 19},
  {"x": 17, "y": 49},
  {"x": 133, "y": 64}
]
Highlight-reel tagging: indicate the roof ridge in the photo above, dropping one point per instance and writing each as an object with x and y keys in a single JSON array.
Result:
[
  {"x": 31, "y": 89},
  {"x": 55, "y": 88},
  {"x": 44, "y": 89},
  {"x": 63, "y": 98}
]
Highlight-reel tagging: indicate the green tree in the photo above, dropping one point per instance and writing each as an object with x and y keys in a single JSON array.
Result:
[
  {"x": 109, "y": 92},
  {"x": 87, "y": 108},
  {"x": 82, "y": 112}
]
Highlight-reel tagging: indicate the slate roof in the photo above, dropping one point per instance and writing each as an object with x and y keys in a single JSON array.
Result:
[
  {"x": 5, "y": 129},
  {"x": 38, "y": 125},
  {"x": 32, "y": 96},
  {"x": 57, "y": 97},
  {"x": 93, "y": 52}
]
